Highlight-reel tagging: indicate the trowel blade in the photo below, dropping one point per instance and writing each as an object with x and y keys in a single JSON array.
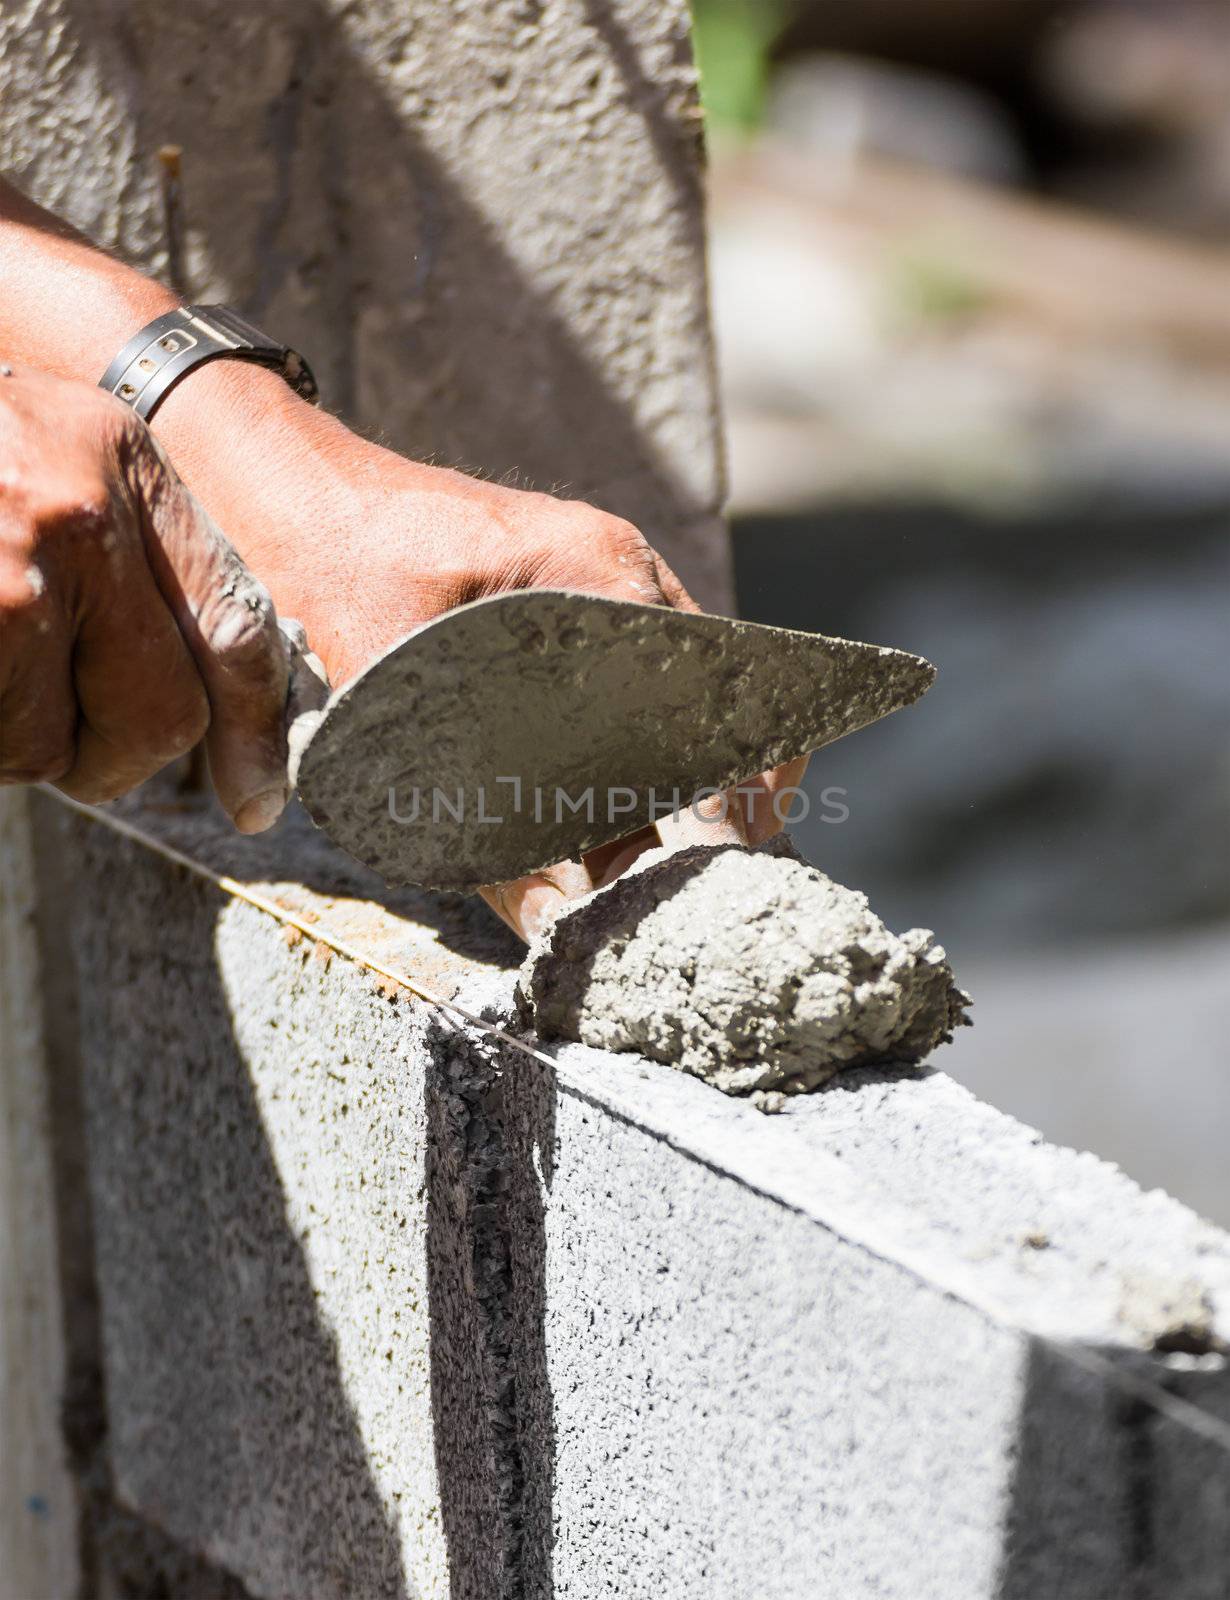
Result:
[{"x": 521, "y": 730}]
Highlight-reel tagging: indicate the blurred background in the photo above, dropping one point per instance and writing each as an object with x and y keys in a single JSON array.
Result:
[{"x": 971, "y": 278}]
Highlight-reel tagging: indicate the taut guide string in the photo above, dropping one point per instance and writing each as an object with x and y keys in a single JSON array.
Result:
[{"x": 311, "y": 930}]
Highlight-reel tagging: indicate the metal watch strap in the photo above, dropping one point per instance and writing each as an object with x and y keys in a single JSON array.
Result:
[{"x": 154, "y": 360}]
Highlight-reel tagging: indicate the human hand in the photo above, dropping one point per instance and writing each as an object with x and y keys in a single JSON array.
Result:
[
  {"x": 363, "y": 546},
  {"x": 358, "y": 543},
  {"x": 129, "y": 628}
]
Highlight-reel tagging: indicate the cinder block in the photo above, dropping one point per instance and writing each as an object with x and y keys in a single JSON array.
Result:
[
  {"x": 133, "y": 1561},
  {"x": 284, "y": 1180},
  {"x": 392, "y": 1308},
  {"x": 887, "y": 1343}
]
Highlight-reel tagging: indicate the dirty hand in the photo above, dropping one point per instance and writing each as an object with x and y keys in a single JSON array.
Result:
[
  {"x": 362, "y": 546},
  {"x": 356, "y": 542},
  {"x": 129, "y": 629}
]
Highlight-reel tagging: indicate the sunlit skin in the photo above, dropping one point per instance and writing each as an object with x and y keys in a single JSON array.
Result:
[
  {"x": 356, "y": 542},
  {"x": 128, "y": 630}
]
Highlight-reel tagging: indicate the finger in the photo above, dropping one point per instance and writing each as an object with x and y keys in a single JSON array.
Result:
[
  {"x": 38, "y": 712},
  {"x": 529, "y": 904},
  {"x": 708, "y": 819},
  {"x": 765, "y": 800},
  {"x": 140, "y": 698},
  {"x": 672, "y": 590},
  {"x": 228, "y": 622}
]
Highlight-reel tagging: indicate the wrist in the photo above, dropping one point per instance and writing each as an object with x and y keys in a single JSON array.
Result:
[
  {"x": 266, "y": 465},
  {"x": 253, "y": 452}
]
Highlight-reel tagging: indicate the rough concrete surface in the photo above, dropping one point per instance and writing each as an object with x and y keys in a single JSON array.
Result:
[
  {"x": 873, "y": 1346},
  {"x": 748, "y": 968},
  {"x": 38, "y": 1499},
  {"x": 419, "y": 196},
  {"x": 135, "y": 1561},
  {"x": 525, "y": 728},
  {"x": 271, "y": 1164},
  {"x": 604, "y": 1330}
]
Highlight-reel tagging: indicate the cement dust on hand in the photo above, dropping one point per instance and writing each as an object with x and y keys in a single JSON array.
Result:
[{"x": 746, "y": 967}]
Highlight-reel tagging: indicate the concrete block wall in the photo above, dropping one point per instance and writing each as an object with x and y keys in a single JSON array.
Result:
[{"x": 390, "y": 1307}]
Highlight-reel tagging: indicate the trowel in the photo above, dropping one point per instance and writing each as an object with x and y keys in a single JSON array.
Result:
[{"x": 526, "y": 728}]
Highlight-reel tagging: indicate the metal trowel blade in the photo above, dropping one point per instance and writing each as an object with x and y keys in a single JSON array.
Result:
[{"x": 521, "y": 730}]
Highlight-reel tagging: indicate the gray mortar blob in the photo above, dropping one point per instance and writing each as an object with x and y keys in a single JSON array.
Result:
[{"x": 746, "y": 967}]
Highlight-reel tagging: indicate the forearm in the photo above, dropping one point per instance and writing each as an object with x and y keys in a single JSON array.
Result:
[
  {"x": 66, "y": 307},
  {"x": 235, "y": 433}
]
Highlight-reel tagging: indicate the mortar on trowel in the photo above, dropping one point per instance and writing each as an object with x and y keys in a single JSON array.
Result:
[{"x": 530, "y": 727}]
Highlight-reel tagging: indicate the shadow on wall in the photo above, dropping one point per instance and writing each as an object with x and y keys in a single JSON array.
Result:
[
  {"x": 230, "y": 1426},
  {"x": 491, "y": 1398},
  {"x": 421, "y": 325},
  {"x": 233, "y": 1417},
  {"x": 1075, "y": 1546},
  {"x": 1150, "y": 1517},
  {"x": 529, "y": 1118},
  {"x": 192, "y": 821}
]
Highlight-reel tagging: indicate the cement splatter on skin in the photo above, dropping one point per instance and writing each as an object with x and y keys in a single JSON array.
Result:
[{"x": 748, "y": 968}]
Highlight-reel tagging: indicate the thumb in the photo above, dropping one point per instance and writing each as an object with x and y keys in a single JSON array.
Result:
[{"x": 229, "y": 624}]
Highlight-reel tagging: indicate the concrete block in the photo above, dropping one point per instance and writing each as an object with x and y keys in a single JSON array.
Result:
[
  {"x": 391, "y": 1307},
  {"x": 282, "y": 1190},
  {"x": 38, "y": 1498},
  {"x": 133, "y": 1561},
  {"x": 420, "y": 196},
  {"x": 884, "y": 1343}
]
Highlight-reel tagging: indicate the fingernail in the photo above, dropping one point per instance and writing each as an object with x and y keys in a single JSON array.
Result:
[
  {"x": 539, "y": 907},
  {"x": 262, "y": 811}
]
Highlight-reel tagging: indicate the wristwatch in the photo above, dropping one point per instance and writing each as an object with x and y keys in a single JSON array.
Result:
[{"x": 169, "y": 348}]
